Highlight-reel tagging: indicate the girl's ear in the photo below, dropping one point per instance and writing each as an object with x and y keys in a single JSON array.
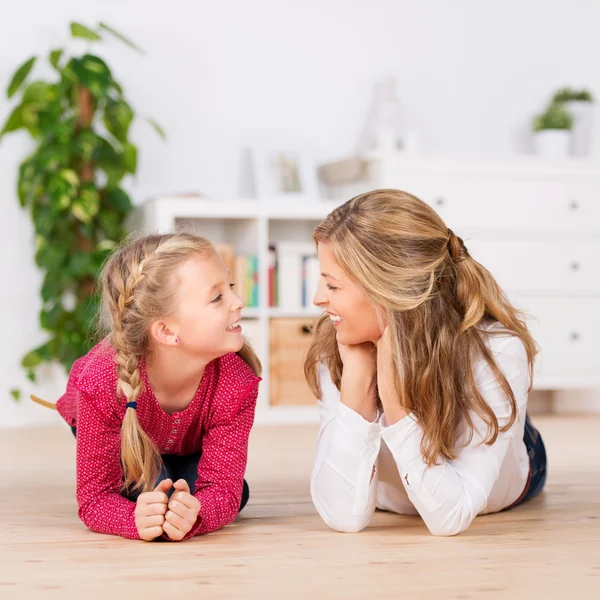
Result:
[{"x": 160, "y": 333}]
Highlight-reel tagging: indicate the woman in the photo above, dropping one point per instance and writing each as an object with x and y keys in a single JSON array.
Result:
[{"x": 423, "y": 369}]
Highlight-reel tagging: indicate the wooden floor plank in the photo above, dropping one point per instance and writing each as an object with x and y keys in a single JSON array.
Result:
[{"x": 279, "y": 547}]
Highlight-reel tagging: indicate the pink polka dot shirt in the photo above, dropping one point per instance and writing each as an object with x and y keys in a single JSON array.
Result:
[{"x": 217, "y": 421}]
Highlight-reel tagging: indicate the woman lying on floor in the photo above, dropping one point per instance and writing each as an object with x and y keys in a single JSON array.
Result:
[{"x": 423, "y": 369}]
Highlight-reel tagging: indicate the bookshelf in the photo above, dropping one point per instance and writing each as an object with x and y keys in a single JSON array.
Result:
[{"x": 250, "y": 226}]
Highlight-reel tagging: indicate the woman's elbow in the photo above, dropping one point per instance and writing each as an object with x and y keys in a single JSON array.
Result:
[
  {"x": 347, "y": 523},
  {"x": 449, "y": 528},
  {"x": 341, "y": 520}
]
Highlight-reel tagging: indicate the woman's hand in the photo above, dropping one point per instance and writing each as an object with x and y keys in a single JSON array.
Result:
[
  {"x": 392, "y": 408},
  {"x": 183, "y": 511},
  {"x": 150, "y": 509},
  {"x": 358, "y": 389}
]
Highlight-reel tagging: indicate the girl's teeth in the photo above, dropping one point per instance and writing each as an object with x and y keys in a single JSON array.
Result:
[{"x": 234, "y": 325}]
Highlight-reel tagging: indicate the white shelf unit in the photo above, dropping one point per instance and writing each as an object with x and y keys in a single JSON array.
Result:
[{"x": 250, "y": 226}]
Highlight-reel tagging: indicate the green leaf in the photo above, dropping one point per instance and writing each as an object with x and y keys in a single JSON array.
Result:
[
  {"x": 92, "y": 73},
  {"x": 51, "y": 288},
  {"x": 130, "y": 157},
  {"x": 16, "y": 394},
  {"x": 119, "y": 200},
  {"x": 31, "y": 359},
  {"x": 40, "y": 93},
  {"x": 87, "y": 206},
  {"x": 80, "y": 264},
  {"x": 70, "y": 176},
  {"x": 19, "y": 77},
  {"x": 117, "y": 119},
  {"x": 81, "y": 31},
  {"x": 159, "y": 130},
  {"x": 121, "y": 37},
  {"x": 14, "y": 121},
  {"x": 49, "y": 319},
  {"x": 31, "y": 376},
  {"x": 55, "y": 57}
]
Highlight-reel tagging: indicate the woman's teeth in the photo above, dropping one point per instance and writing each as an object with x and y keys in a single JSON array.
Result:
[{"x": 335, "y": 318}]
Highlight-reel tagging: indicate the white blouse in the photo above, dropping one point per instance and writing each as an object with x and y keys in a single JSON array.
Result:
[{"x": 361, "y": 466}]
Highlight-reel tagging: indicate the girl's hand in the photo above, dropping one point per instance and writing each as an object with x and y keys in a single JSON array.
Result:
[
  {"x": 392, "y": 408},
  {"x": 150, "y": 511},
  {"x": 183, "y": 511}
]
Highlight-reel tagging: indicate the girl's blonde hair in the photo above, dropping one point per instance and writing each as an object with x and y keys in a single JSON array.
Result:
[
  {"x": 435, "y": 299},
  {"x": 137, "y": 289}
]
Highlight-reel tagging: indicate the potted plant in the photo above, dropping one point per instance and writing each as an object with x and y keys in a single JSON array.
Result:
[
  {"x": 579, "y": 103},
  {"x": 551, "y": 131},
  {"x": 70, "y": 184}
]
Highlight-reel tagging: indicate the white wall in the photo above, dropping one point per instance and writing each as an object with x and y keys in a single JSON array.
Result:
[{"x": 220, "y": 74}]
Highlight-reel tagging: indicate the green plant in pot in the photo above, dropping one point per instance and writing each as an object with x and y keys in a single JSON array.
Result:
[
  {"x": 579, "y": 104},
  {"x": 71, "y": 185},
  {"x": 552, "y": 131}
]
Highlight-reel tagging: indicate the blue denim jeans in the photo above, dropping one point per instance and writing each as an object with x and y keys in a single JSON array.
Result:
[
  {"x": 181, "y": 467},
  {"x": 537, "y": 463}
]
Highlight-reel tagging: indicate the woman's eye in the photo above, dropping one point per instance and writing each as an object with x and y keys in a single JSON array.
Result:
[{"x": 330, "y": 287}]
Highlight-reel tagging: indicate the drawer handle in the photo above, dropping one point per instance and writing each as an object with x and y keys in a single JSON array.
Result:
[
  {"x": 575, "y": 336},
  {"x": 575, "y": 266},
  {"x": 306, "y": 329},
  {"x": 574, "y": 205}
]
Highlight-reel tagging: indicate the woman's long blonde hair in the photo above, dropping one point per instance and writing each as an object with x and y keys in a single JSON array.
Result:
[
  {"x": 137, "y": 289},
  {"x": 435, "y": 298}
]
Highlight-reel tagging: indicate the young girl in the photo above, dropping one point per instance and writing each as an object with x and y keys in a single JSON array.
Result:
[
  {"x": 163, "y": 407},
  {"x": 422, "y": 367}
]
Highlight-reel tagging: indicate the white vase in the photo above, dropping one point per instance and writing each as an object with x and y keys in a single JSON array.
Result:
[
  {"x": 552, "y": 143},
  {"x": 581, "y": 133}
]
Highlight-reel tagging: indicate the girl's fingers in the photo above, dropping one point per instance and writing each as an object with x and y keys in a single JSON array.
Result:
[
  {"x": 148, "y": 510},
  {"x": 151, "y": 533},
  {"x": 177, "y": 521},
  {"x": 186, "y": 499},
  {"x": 153, "y": 521},
  {"x": 152, "y": 498},
  {"x": 173, "y": 532},
  {"x": 182, "y": 485},
  {"x": 187, "y": 514},
  {"x": 164, "y": 486}
]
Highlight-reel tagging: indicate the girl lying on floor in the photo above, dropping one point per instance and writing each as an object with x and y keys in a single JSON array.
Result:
[{"x": 163, "y": 407}]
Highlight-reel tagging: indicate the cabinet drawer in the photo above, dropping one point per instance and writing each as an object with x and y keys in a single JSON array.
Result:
[
  {"x": 495, "y": 203},
  {"x": 290, "y": 340},
  {"x": 539, "y": 266},
  {"x": 567, "y": 331}
]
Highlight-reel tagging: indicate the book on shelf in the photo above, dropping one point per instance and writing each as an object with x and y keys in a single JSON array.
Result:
[
  {"x": 293, "y": 275},
  {"x": 243, "y": 269}
]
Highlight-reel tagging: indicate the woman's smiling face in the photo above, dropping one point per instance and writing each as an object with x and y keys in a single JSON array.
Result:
[{"x": 352, "y": 313}]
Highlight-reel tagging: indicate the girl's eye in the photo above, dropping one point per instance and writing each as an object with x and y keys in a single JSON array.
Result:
[
  {"x": 330, "y": 287},
  {"x": 220, "y": 296}
]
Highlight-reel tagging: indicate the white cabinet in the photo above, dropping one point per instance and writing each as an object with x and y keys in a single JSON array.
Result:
[{"x": 536, "y": 227}]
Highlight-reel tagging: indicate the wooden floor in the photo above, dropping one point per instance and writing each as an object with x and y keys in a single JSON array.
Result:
[{"x": 279, "y": 548}]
